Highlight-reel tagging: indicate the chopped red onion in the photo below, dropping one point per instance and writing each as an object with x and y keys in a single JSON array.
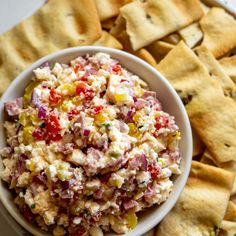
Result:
[
  {"x": 42, "y": 112},
  {"x": 86, "y": 132},
  {"x": 129, "y": 113}
]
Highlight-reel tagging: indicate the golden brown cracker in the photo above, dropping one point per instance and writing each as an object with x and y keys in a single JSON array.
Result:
[
  {"x": 192, "y": 34},
  {"x": 108, "y": 24},
  {"x": 231, "y": 211},
  {"x": 219, "y": 29},
  {"x": 109, "y": 8},
  {"x": 57, "y": 25},
  {"x": 173, "y": 38},
  {"x": 153, "y": 19},
  {"x": 210, "y": 112},
  {"x": 207, "y": 158},
  {"x": 142, "y": 53},
  {"x": 202, "y": 205},
  {"x": 227, "y": 228},
  {"x": 118, "y": 26},
  {"x": 215, "y": 70},
  {"x": 198, "y": 145},
  {"x": 229, "y": 66},
  {"x": 159, "y": 49},
  {"x": 204, "y": 7},
  {"x": 107, "y": 40}
]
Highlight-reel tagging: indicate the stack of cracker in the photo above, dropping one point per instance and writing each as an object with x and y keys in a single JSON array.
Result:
[{"x": 194, "y": 46}]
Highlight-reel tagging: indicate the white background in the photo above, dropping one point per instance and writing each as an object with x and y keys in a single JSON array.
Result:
[{"x": 11, "y": 12}]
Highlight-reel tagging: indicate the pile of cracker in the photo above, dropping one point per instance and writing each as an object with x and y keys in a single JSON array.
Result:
[{"x": 194, "y": 47}]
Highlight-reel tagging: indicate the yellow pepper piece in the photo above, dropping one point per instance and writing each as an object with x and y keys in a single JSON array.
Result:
[
  {"x": 23, "y": 119},
  {"x": 101, "y": 117},
  {"x": 28, "y": 91},
  {"x": 177, "y": 135},
  {"x": 133, "y": 131},
  {"x": 77, "y": 101},
  {"x": 132, "y": 219},
  {"x": 120, "y": 97},
  {"x": 136, "y": 117},
  {"x": 27, "y": 134},
  {"x": 30, "y": 165},
  {"x": 67, "y": 89}
]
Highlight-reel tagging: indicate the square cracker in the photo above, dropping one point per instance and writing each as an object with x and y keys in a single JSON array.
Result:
[
  {"x": 210, "y": 112},
  {"x": 216, "y": 71},
  {"x": 207, "y": 158},
  {"x": 231, "y": 211},
  {"x": 227, "y": 228},
  {"x": 109, "y": 8},
  {"x": 202, "y": 205},
  {"x": 192, "y": 34},
  {"x": 198, "y": 145},
  {"x": 219, "y": 30},
  {"x": 173, "y": 38},
  {"x": 153, "y": 19},
  {"x": 159, "y": 49},
  {"x": 118, "y": 27},
  {"x": 57, "y": 25},
  {"x": 229, "y": 66},
  {"x": 108, "y": 24},
  {"x": 142, "y": 53},
  {"x": 107, "y": 40}
]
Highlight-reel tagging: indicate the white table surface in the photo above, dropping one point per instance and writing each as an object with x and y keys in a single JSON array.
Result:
[{"x": 12, "y": 12}]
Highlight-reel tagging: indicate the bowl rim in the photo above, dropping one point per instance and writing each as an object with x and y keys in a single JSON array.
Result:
[{"x": 66, "y": 52}]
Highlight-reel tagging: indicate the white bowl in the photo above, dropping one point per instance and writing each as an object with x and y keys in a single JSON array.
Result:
[{"x": 165, "y": 93}]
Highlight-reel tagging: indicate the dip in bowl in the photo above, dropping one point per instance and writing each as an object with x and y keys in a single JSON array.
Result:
[{"x": 95, "y": 138}]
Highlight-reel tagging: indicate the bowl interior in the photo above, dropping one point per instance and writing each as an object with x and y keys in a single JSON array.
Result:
[{"x": 165, "y": 93}]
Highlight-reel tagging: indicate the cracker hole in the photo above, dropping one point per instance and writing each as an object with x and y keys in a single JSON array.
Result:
[
  {"x": 186, "y": 98},
  {"x": 227, "y": 145},
  {"x": 149, "y": 18}
]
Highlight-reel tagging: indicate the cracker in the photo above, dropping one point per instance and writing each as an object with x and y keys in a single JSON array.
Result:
[
  {"x": 207, "y": 161},
  {"x": 153, "y": 19},
  {"x": 173, "y": 38},
  {"x": 204, "y": 7},
  {"x": 107, "y": 40},
  {"x": 57, "y": 25},
  {"x": 108, "y": 24},
  {"x": 210, "y": 112},
  {"x": 228, "y": 228},
  {"x": 159, "y": 49},
  {"x": 207, "y": 158},
  {"x": 109, "y": 8},
  {"x": 229, "y": 66},
  {"x": 142, "y": 53},
  {"x": 198, "y": 145},
  {"x": 216, "y": 71},
  {"x": 202, "y": 205},
  {"x": 118, "y": 26},
  {"x": 192, "y": 34},
  {"x": 219, "y": 29},
  {"x": 231, "y": 211}
]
